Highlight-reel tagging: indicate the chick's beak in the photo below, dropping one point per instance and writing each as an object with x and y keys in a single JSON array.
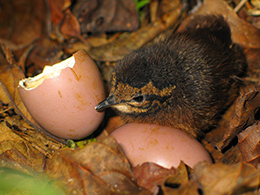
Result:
[{"x": 108, "y": 102}]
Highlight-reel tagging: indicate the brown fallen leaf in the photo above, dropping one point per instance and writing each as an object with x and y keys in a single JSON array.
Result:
[
  {"x": 150, "y": 175},
  {"x": 226, "y": 179},
  {"x": 106, "y": 15},
  {"x": 44, "y": 144},
  {"x": 248, "y": 144},
  {"x": 70, "y": 26},
  {"x": 215, "y": 153},
  {"x": 10, "y": 75},
  {"x": 23, "y": 146},
  {"x": 185, "y": 188},
  {"x": 45, "y": 52},
  {"x": 21, "y": 21},
  {"x": 253, "y": 60},
  {"x": 231, "y": 156},
  {"x": 246, "y": 107},
  {"x": 126, "y": 42},
  {"x": 98, "y": 168},
  {"x": 22, "y": 155},
  {"x": 180, "y": 183},
  {"x": 6, "y": 133},
  {"x": 55, "y": 16},
  {"x": 63, "y": 25}
]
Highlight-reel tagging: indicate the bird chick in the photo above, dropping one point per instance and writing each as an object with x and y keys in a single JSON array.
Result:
[{"x": 185, "y": 81}]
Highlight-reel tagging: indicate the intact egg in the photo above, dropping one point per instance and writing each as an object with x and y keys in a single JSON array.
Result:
[
  {"x": 62, "y": 98},
  {"x": 162, "y": 145}
]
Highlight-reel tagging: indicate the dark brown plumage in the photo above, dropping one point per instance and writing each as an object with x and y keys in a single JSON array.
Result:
[{"x": 185, "y": 81}]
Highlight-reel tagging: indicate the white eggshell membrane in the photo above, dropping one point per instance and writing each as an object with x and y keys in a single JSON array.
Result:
[
  {"x": 62, "y": 99},
  {"x": 164, "y": 146}
]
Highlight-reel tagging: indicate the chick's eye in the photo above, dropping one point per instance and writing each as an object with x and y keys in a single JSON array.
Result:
[{"x": 139, "y": 98}]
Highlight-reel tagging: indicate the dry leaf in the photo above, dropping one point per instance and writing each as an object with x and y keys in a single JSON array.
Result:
[
  {"x": 56, "y": 15},
  {"x": 27, "y": 147},
  {"x": 231, "y": 156},
  {"x": 10, "y": 75},
  {"x": 185, "y": 188},
  {"x": 6, "y": 133},
  {"x": 150, "y": 175},
  {"x": 215, "y": 154},
  {"x": 246, "y": 107},
  {"x": 21, "y": 21},
  {"x": 22, "y": 154},
  {"x": 126, "y": 43},
  {"x": 45, "y": 52},
  {"x": 70, "y": 26},
  {"x": 248, "y": 144},
  {"x": 253, "y": 60},
  {"x": 180, "y": 183},
  {"x": 226, "y": 179},
  {"x": 99, "y": 167},
  {"x": 106, "y": 15}
]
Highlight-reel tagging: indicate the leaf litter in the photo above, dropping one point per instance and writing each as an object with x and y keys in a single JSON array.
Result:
[{"x": 51, "y": 31}]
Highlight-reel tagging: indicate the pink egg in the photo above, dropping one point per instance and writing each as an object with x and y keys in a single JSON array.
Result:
[
  {"x": 164, "y": 146},
  {"x": 62, "y": 99}
]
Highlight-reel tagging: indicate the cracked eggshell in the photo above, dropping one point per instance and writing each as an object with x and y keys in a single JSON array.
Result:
[
  {"x": 162, "y": 145},
  {"x": 62, "y": 99}
]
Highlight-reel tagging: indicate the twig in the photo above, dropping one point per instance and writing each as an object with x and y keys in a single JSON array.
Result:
[{"x": 240, "y": 5}]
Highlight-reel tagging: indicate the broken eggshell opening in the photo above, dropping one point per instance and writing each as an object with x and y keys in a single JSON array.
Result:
[{"x": 62, "y": 98}]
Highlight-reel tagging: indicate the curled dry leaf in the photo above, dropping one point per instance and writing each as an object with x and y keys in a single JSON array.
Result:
[
  {"x": 249, "y": 144},
  {"x": 226, "y": 179},
  {"x": 186, "y": 188},
  {"x": 246, "y": 107},
  {"x": 62, "y": 23},
  {"x": 9, "y": 94},
  {"x": 180, "y": 182},
  {"x": 70, "y": 26},
  {"x": 150, "y": 175},
  {"x": 100, "y": 167},
  {"x": 167, "y": 181},
  {"x": 10, "y": 75}
]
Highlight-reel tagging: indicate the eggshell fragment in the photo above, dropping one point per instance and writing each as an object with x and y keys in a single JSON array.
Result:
[
  {"x": 164, "y": 146},
  {"x": 62, "y": 99}
]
